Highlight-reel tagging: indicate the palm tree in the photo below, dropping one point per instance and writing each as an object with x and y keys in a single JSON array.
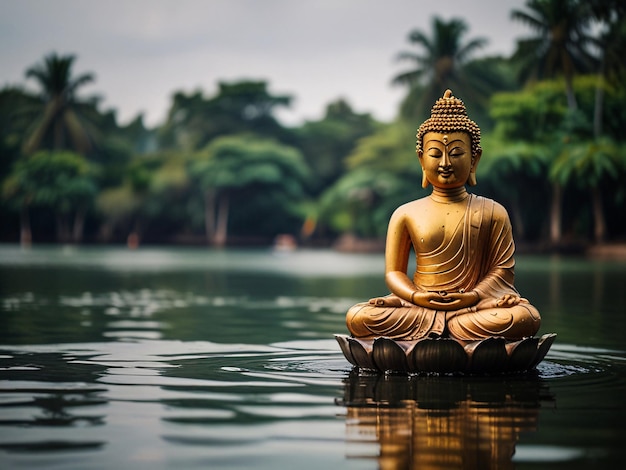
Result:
[
  {"x": 59, "y": 115},
  {"x": 438, "y": 64},
  {"x": 591, "y": 165},
  {"x": 612, "y": 43},
  {"x": 561, "y": 45},
  {"x": 559, "y": 49}
]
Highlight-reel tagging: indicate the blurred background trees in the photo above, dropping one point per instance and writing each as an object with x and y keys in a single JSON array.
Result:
[{"x": 223, "y": 170}]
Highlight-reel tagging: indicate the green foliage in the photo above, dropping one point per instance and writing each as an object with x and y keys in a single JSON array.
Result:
[
  {"x": 589, "y": 164},
  {"x": 143, "y": 201},
  {"x": 539, "y": 111},
  {"x": 391, "y": 148},
  {"x": 326, "y": 143},
  {"x": 538, "y": 140},
  {"x": 532, "y": 114},
  {"x": 12, "y": 125},
  {"x": 239, "y": 107},
  {"x": 383, "y": 173},
  {"x": 118, "y": 204},
  {"x": 235, "y": 162},
  {"x": 250, "y": 170},
  {"x": 58, "y": 180},
  {"x": 503, "y": 158},
  {"x": 362, "y": 201}
]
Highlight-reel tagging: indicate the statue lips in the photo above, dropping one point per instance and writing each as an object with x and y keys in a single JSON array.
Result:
[{"x": 446, "y": 172}]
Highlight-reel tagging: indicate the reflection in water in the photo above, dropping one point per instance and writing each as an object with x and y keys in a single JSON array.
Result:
[
  {"x": 43, "y": 398},
  {"x": 440, "y": 422}
]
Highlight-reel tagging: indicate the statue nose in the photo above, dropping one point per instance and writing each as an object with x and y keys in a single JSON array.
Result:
[{"x": 445, "y": 161}]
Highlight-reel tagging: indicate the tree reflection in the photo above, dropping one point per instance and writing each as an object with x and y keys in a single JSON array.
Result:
[{"x": 440, "y": 422}]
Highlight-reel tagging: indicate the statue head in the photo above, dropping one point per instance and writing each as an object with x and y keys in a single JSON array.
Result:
[{"x": 449, "y": 115}]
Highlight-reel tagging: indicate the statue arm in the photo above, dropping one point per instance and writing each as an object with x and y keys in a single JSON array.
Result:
[
  {"x": 397, "y": 251},
  {"x": 496, "y": 288}
]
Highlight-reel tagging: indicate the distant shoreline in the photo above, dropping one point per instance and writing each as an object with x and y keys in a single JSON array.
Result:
[{"x": 350, "y": 244}]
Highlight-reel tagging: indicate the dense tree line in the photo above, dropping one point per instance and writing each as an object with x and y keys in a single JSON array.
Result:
[{"x": 222, "y": 169}]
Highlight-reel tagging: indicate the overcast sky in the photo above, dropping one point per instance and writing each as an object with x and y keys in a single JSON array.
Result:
[{"x": 141, "y": 51}]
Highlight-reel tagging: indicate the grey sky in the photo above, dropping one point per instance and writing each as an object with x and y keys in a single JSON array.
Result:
[{"x": 316, "y": 50}]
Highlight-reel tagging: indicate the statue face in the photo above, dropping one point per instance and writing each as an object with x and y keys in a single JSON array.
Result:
[{"x": 446, "y": 158}]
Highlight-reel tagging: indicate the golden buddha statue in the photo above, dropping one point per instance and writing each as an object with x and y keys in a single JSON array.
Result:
[{"x": 463, "y": 282}]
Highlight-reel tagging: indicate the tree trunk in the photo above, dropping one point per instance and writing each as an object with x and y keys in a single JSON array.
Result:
[
  {"x": 106, "y": 232},
  {"x": 209, "y": 215},
  {"x": 59, "y": 138},
  {"x": 518, "y": 219},
  {"x": 79, "y": 224},
  {"x": 598, "y": 107},
  {"x": 62, "y": 229},
  {"x": 26, "y": 236},
  {"x": 572, "y": 105},
  {"x": 599, "y": 223},
  {"x": 555, "y": 214},
  {"x": 221, "y": 231},
  {"x": 134, "y": 237}
]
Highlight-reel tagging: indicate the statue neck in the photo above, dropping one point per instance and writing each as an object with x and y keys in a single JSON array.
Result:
[{"x": 449, "y": 195}]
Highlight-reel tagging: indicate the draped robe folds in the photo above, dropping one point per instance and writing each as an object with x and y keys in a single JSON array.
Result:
[{"x": 478, "y": 256}]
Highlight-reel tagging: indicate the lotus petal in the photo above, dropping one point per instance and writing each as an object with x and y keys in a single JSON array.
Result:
[
  {"x": 389, "y": 356},
  {"x": 545, "y": 342},
  {"x": 361, "y": 352},
  {"x": 487, "y": 356},
  {"x": 521, "y": 354},
  {"x": 438, "y": 355},
  {"x": 345, "y": 349}
]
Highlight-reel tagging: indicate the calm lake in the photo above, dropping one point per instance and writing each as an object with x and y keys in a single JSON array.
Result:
[{"x": 195, "y": 358}]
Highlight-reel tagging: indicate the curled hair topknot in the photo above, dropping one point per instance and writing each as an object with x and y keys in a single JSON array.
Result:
[{"x": 449, "y": 115}]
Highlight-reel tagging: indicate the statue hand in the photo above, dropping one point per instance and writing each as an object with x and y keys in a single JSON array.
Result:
[
  {"x": 507, "y": 300},
  {"x": 510, "y": 300},
  {"x": 454, "y": 300},
  {"x": 387, "y": 301}
]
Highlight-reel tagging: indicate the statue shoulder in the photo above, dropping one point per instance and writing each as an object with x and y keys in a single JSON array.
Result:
[
  {"x": 406, "y": 213},
  {"x": 410, "y": 208},
  {"x": 497, "y": 210}
]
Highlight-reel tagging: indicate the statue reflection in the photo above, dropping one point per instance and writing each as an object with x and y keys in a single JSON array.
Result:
[{"x": 440, "y": 422}]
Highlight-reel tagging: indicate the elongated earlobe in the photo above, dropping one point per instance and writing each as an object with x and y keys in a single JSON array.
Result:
[
  {"x": 475, "y": 159},
  {"x": 420, "y": 155}
]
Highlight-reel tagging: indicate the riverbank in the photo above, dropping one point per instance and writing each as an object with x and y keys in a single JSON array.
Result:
[
  {"x": 608, "y": 251},
  {"x": 352, "y": 244}
]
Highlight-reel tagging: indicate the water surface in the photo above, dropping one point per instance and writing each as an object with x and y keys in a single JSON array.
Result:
[{"x": 194, "y": 358}]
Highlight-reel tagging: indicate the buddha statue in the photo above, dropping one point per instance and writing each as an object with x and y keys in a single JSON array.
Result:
[{"x": 463, "y": 286}]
